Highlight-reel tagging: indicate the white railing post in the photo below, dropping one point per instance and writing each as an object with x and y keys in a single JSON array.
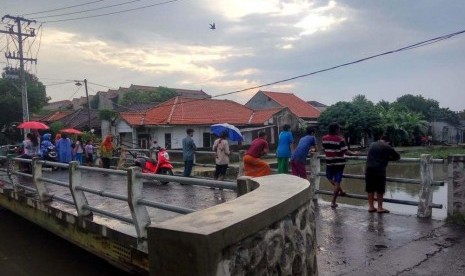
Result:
[
  {"x": 314, "y": 174},
  {"x": 139, "y": 212},
  {"x": 42, "y": 190},
  {"x": 241, "y": 163},
  {"x": 79, "y": 197},
  {"x": 426, "y": 192}
]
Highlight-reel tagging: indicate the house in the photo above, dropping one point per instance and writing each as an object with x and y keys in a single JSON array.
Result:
[
  {"x": 321, "y": 107},
  {"x": 109, "y": 99},
  {"x": 59, "y": 105},
  {"x": 81, "y": 102},
  {"x": 78, "y": 119},
  {"x": 167, "y": 122},
  {"x": 267, "y": 99},
  {"x": 447, "y": 133}
]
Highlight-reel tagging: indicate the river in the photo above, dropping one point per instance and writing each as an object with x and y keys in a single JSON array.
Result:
[{"x": 393, "y": 190}]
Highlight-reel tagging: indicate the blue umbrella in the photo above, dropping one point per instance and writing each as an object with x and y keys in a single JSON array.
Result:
[{"x": 234, "y": 134}]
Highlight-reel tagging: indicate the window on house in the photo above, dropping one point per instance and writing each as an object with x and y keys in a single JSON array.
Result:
[
  {"x": 207, "y": 140},
  {"x": 167, "y": 140}
]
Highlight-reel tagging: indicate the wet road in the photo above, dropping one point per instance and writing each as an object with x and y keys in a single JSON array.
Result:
[{"x": 352, "y": 241}]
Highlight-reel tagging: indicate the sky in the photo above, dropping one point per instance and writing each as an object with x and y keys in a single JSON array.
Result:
[{"x": 255, "y": 42}]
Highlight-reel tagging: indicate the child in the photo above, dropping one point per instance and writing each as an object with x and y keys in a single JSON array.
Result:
[{"x": 89, "y": 149}]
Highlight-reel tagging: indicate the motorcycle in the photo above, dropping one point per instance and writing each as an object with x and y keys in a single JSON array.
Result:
[
  {"x": 51, "y": 155},
  {"x": 160, "y": 166}
]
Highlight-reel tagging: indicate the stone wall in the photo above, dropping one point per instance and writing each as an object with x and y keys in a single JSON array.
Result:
[
  {"x": 287, "y": 247},
  {"x": 266, "y": 230}
]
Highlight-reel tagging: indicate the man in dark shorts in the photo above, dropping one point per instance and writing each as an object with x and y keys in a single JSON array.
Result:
[
  {"x": 379, "y": 154},
  {"x": 335, "y": 150}
]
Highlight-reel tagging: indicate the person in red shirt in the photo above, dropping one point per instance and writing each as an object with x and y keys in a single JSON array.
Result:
[{"x": 253, "y": 165}]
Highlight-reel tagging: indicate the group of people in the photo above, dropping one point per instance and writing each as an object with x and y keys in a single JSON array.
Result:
[
  {"x": 335, "y": 149},
  {"x": 67, "y": 150}
]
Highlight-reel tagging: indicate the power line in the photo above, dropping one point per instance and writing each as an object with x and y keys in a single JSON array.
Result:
[
  {"x": 95, "y": 9},
  {"x": 409, "y": 47},
  {"x": 111, "y": 13},
  {"x": 69, "y": 7},
  {"x": 101, "y": 85},
  {"x": 79, "y": 87}
]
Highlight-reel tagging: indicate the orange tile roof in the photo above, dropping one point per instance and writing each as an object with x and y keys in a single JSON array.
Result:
[
  {"x": 58, "y": 115},
  {"x": 188, "y": 111},
  {"x": 261, "y": 116},
  {"x": 298, "y": 106}
]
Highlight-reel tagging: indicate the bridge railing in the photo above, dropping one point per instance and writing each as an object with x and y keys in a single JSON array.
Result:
[
  {"x": 426, "y": 181},
  {"x": 135, "y": 198}
]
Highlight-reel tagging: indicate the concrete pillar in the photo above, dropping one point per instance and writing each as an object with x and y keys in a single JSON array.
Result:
[
  {"x": 79, "y": 197},
  {"x": 241, "y": 163},
  {"x": 314, "y": 174},
  {"x": 138, "y": 212},
  {"x": 42, "y": 190},
  {"x": 12, "y": 166},
  {"x": 426, "y": 193},
  {"x": 456, "y": 186}
]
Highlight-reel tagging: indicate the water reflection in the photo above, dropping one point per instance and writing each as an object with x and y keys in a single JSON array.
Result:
[{"x": 394, "y": 190}]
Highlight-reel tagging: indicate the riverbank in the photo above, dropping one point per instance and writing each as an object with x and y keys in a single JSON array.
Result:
[{"x": 435, "y": 151}]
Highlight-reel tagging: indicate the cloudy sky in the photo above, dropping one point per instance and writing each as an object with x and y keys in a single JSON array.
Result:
[{"x": 255, "y": 42}]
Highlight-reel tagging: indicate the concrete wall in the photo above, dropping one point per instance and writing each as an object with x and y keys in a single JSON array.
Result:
[
  {"x": 269, "y": 231},
  {"x": 456, "y": 186},
  {"x": 261, "y": 101}
]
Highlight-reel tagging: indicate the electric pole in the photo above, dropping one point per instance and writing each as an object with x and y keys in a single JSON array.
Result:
[
  {"x": 78, "y": 82},
  {"x": 20, "y": 37}
]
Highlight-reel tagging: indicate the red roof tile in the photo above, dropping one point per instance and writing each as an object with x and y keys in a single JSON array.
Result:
[
  {"x": 188, "y": 111},
  {"x": 261, "y": 116},
  {"x": 298, "y": 106}
]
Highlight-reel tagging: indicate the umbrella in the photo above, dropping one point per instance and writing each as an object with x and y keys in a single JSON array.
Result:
[
  {"x": 234, "y": 134},
  {"x": 71, "y": 131},
  {"x": 33, "y": 125}
]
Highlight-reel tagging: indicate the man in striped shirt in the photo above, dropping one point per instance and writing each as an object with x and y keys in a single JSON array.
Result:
[{"x": 335, "y": 150}]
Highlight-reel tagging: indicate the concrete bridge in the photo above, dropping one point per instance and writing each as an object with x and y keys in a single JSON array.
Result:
[{"x": 254, "y": 226}]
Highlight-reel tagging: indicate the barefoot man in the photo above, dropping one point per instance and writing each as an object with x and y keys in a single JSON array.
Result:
[{"x": 379, "y": 154}]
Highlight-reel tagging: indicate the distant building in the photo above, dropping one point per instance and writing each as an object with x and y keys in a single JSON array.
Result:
[
  {"x": 321, "y": 107},
  {"x": 109, "y": 99},
  {"x": 59, "y": 105},
  {"x": 267, "y": 99}
]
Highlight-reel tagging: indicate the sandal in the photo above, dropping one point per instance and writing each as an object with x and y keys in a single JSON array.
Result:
[
  {"x": 373, "y": 210},
  {"x": 334, "y": 205},
  {"x": 384, "y": 211}
]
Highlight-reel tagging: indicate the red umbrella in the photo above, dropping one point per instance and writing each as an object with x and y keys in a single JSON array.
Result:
[
  {"x": 71, "y": 131},
  {"x": 33, "y": 125}
]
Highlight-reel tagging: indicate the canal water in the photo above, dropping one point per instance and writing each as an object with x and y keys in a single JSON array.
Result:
[{"x": 394, "y": 190}]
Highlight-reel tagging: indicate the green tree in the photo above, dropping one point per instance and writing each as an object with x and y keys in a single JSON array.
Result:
[
  {"x": 359, "y": 118},
  {"x": 55, "y": 127},
  {"x": 404, "y": 127},
  {"x": 160, "y": 94},
  {"x": 10, "y": 97}
]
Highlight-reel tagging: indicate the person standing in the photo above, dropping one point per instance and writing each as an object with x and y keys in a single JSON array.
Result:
[
  {"x": 78, "y": 150},
  {"x": 106, "y": 151},
  {"x": 188, "y": 149},
  {"x": 253, "y": 164},
  {"x": 31, "y": 149},
  {"x": 285, "y": 148},
  {"x": 45, "y": 144},
  {"x": 221, "y": 148},
  {"x": 299, "y": 157},
  {"x": 89, "y": 150},
  {"x": 379, "y": 154},
  {"x": 63, "y": 146},
  {"x": 335, "y": 150}
]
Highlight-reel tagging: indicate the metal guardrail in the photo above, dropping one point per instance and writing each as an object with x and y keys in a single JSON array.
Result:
[
  {"x": 134, "y": 198},
  {"x": 425, "y": 182}
]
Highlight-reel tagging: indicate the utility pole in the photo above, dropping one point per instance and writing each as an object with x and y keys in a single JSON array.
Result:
[
  {"x": 78, "y": 83},
  {"x": 20, "y": 38}
]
